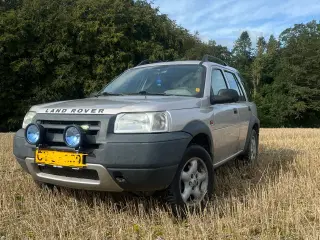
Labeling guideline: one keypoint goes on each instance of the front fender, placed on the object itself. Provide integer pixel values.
(198, 127)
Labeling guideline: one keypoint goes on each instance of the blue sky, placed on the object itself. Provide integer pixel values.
(224, 20)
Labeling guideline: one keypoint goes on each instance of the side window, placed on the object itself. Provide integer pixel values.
(217, 81)
(234, 84)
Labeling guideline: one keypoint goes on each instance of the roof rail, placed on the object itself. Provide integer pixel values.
(147, 61)
(206, 59)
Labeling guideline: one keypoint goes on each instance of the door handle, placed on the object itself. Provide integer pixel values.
(235, 111)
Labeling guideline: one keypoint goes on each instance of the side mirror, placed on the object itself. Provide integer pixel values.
(225, 96)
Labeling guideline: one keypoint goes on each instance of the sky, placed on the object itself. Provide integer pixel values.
(224, 20)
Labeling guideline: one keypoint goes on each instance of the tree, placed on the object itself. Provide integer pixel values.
(243, 46)
(292, 98)
(6, 5)
(299, 72)
(200, 49)
(242, 56)
(258, 65)
(273, 45)
(272, 58)
(65, 49)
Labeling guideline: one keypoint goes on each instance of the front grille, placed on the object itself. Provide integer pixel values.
(58, 126)
(55, 128)
(57, 122)
(69, 172)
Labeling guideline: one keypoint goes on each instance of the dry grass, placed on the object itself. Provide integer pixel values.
(278, 199)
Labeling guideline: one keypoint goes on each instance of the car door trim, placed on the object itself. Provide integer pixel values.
(218, 164)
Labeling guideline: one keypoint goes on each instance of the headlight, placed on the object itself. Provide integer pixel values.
(73, 136)
(34, 133)
(27, 119)
(142, 122)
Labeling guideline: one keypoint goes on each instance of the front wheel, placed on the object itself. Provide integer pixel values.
(193, 182)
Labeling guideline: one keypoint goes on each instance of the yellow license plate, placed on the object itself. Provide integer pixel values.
(59, 158)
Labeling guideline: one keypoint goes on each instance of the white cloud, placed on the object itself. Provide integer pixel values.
(224, 20)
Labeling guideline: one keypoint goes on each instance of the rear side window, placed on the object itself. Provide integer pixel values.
(234, 84)
(217, 81)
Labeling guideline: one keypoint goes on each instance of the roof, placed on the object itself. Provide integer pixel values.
(187, 62)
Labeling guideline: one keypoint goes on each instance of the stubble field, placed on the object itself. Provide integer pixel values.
(279, 198)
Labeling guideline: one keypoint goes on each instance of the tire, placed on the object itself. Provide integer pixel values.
(192, 184)
(251, 154)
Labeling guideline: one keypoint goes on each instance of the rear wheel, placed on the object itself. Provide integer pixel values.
(251, 154)
(193, 182)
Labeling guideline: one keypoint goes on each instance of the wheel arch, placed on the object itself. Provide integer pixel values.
(253, 124)
(201, 135)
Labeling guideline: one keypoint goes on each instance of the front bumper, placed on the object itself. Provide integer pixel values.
(135, 162)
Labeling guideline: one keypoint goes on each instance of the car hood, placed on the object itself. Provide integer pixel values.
(118, 104)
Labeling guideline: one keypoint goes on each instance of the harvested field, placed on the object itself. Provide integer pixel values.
(279, 198)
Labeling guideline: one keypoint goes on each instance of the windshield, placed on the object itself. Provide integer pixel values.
(181, 80)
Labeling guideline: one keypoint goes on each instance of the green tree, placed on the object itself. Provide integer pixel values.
(258, 65)
(272, 58)
(292, 98)
(65, 49)
(273, 45)
(200, 49)
(6, 5)
(243, 57)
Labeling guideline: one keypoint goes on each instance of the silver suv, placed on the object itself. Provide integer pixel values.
(158, 127)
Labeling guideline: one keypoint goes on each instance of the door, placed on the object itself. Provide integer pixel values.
(242, 106)
(225, 119)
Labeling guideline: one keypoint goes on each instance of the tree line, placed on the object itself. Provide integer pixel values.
(65, 49)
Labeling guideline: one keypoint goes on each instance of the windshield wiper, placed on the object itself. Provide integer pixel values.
(145, 93)
(108, 94)
(148, 93)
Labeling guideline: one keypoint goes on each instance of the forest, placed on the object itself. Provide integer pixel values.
(66, 49)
